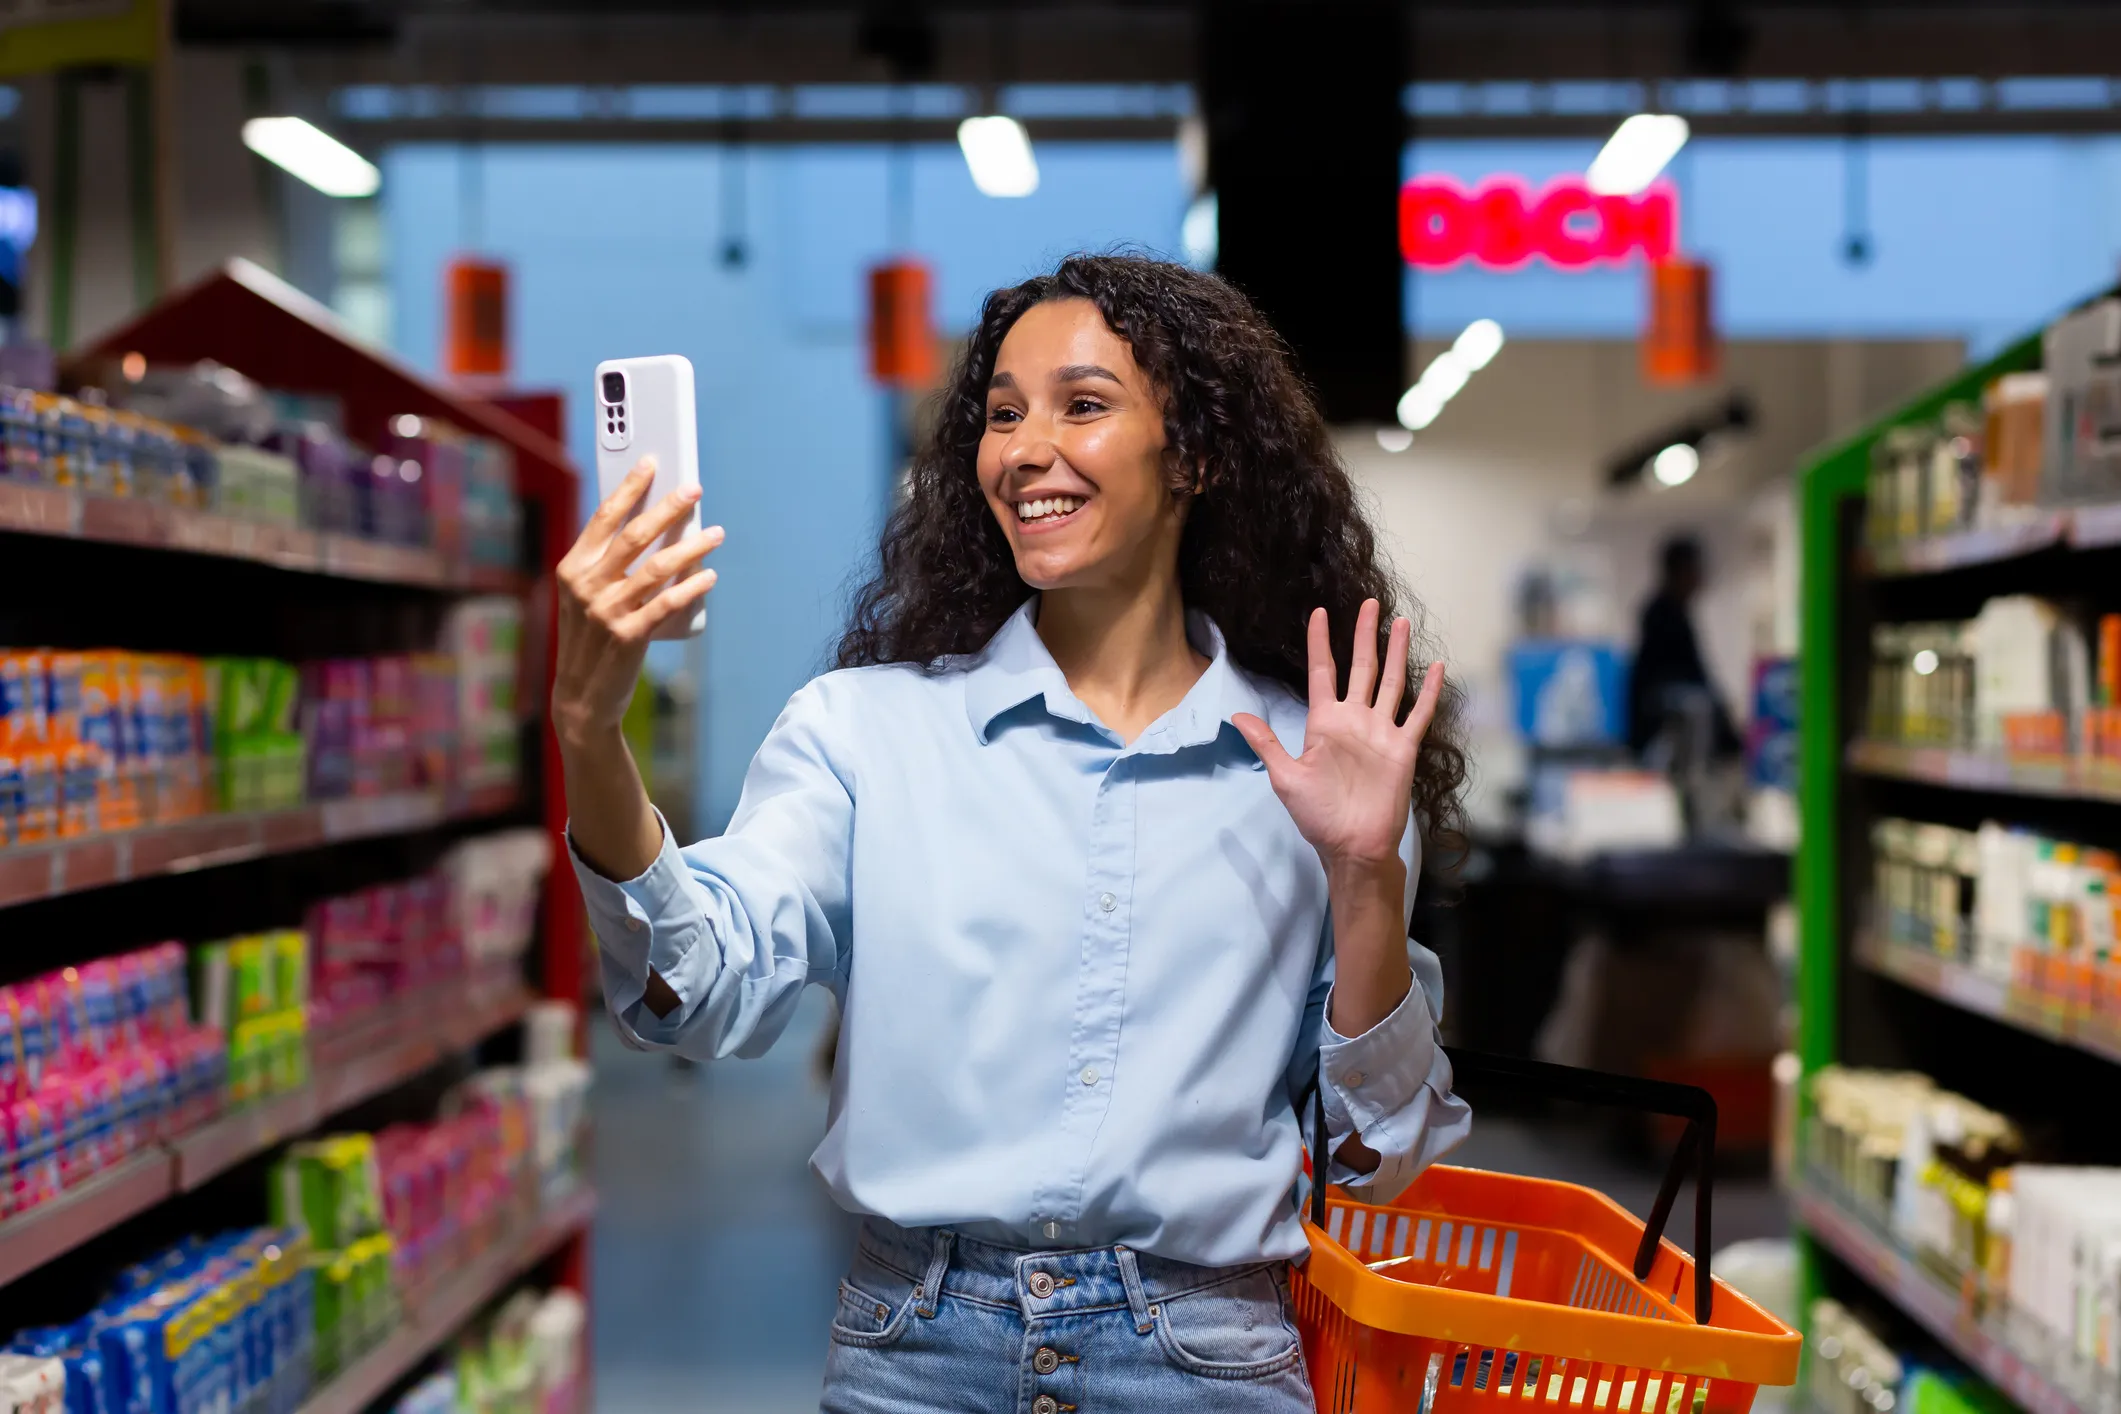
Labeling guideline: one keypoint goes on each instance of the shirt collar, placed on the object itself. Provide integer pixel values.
(1014, 668)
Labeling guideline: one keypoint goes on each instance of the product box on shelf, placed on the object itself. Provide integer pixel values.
(212, 1324)
(96, 1062)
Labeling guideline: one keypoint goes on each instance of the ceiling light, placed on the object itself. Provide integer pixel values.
(1477, 346)
(1925, 662)
(1394, 439)
(306, 151)
(998, 152)
(1636, 152)
(1676, 464)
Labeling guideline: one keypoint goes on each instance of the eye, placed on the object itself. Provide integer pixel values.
(1003, 415)
(1083, 405)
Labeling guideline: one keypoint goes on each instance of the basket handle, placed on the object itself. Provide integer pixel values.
(1592, 1087)
(1697, 1143)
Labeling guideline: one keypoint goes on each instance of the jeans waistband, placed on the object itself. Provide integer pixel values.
(1036, 1281)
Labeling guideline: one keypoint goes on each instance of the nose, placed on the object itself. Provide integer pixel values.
(1029, 447)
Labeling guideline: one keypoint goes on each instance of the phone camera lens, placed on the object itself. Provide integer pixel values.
(614, 387)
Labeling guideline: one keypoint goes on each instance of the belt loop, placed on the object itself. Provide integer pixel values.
(932, 1284)
(1137, 1300)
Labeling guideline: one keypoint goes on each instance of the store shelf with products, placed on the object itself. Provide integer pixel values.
(2049, 1382)
(1994, 895)
(41, 871)
(77, 515)
(1969, 989)
(437, 1313)
(1993, 771)
(399, 719)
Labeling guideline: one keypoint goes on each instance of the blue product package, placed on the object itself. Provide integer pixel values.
(133, 1361)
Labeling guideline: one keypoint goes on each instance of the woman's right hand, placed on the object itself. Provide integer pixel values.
(607, 615)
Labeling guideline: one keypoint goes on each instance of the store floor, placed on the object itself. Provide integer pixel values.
(717, 1256)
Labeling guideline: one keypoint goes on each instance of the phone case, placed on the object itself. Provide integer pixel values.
(655, 415)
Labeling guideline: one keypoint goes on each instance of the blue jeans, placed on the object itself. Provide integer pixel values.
(932, 1321)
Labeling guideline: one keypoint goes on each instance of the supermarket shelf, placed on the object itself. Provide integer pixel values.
(32, 872)
(2054, 1385)
(1959, 985)
(1969, 547)
(2080, 527)
(435, 1315)
(75, 515)
(350, 1069)
(1986, 770)
(378, 1060)
(29, 1240)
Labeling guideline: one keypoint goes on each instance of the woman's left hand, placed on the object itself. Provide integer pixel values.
(1351, 791)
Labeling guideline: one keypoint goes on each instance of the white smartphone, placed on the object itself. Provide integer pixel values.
(645, 408)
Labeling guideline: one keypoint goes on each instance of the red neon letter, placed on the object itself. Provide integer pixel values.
(1635, 223)
(1435, 223)
(1552, 232)
(1502, 237)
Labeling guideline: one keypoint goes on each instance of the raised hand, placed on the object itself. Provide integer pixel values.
(1351, 791)
(607, 613)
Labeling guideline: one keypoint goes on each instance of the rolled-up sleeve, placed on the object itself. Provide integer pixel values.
(1392, 1084)
(734, 926)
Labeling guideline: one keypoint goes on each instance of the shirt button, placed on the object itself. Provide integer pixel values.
(633, 925)
(1353, 1077)
(1046, 1361)
(1042, 1282)
(1107, 902)
(1045, 1404)
(1052, 1230)
(1089, 1075)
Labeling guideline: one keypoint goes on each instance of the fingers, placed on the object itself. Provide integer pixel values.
(667, 562)
(1362, 664)
(647, 528)
(678, 599)
(1392, 685)
(1432, 684)
(1265, 745)
(1319, 648)
(605, 521)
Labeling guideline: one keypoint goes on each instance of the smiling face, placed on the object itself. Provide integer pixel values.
(1072, 462)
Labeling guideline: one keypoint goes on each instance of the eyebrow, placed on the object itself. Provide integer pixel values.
(1076, 372)
(1002, 380)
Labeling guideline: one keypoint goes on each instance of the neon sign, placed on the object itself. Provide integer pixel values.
(1502, 223)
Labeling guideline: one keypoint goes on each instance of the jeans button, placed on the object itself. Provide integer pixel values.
(1046, 1361)
(1041, 1285)
(1045, 1404)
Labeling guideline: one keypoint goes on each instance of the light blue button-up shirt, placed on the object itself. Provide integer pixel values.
(1083, 982)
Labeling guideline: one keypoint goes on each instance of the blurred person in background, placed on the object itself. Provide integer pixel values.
(1672, 704)
(1107, 854)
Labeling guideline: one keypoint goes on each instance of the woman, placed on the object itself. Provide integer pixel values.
(1103, 856)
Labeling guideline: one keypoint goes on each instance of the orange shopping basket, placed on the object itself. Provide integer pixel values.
(1481, 1293)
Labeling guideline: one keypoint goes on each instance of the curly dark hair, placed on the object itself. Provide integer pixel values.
(1276, 531)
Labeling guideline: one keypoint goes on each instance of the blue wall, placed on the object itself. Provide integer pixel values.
(1975, 238)
(615, 252)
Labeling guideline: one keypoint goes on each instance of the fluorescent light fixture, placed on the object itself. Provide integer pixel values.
(1200, 233)
(1475, 347)
(304, 150)
(1636, 152)
(1394, 439)
(1676, 464)
(998, 152)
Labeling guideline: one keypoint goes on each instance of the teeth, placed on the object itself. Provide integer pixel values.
(1048, 506)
